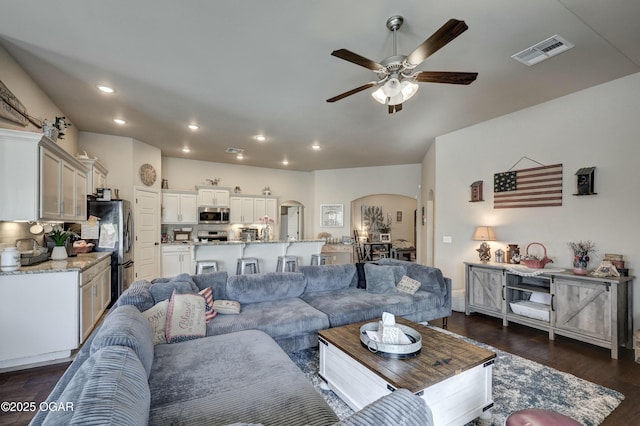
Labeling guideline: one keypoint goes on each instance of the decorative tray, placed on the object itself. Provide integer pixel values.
(391, 350)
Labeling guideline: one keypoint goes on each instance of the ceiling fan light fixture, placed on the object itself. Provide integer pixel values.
(409, 88)
(395, 100)
(379, 96)
(392, 87)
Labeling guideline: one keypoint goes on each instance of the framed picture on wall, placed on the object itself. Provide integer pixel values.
(331, 215)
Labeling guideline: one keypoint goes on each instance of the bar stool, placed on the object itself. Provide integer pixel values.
(203, 266)
(287, 264)
(247, 265)
(320, 259)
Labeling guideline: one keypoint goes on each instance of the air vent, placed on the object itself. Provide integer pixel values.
(235, 151)
(543, 50)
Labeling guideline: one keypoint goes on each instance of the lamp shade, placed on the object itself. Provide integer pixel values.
(484, 233)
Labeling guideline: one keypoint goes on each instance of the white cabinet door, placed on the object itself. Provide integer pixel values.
(221, 198)
(176, 260)
(247, 210)
(68, 191)
(170, 208)
(259, 208)
(206, 197)
(188, 208)
(81, 195)
(50, 195)
(87, 293)
(235, 210)
(271, 208)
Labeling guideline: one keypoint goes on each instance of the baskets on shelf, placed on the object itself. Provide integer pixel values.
(532, 262)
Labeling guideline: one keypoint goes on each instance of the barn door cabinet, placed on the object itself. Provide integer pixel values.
(595, 310)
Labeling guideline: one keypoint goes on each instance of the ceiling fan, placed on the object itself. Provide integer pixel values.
(395, 74)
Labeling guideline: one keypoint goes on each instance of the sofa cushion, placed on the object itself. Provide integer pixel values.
(157, 317)
(216, 280)
(383, 279)
(138, 295)
(431, 279)
(280, 318)
(162, 290)
(185, 317)
(352, 305)
(251, 380)
(329, 277)
(126, 326)
(110, 388)
(265, 287)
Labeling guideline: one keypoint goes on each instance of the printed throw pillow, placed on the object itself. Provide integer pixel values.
(209, 312)
(408, 285)
(185, 317)
(157, 317)
(226, 306)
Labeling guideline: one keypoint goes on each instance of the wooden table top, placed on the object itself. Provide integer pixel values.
(441, 357)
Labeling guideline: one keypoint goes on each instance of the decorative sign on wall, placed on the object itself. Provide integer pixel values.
(534, 187)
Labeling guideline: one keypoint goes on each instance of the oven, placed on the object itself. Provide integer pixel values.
(207, 215)
(212, 236)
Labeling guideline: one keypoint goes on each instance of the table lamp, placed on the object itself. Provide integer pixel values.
(484, 234)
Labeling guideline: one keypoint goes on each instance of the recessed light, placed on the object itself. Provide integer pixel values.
(194, 126)
(240, 156)
(186, 149)
(285, 162)
(105, 89)
(315, 146)
(260, 138)
(119, 121)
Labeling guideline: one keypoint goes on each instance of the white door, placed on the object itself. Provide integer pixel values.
(147, 233)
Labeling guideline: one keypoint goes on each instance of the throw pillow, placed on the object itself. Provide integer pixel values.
(157, 317)
(209, 312)
(382, 279)
(226, 306)
(185, 317)
(408, 285)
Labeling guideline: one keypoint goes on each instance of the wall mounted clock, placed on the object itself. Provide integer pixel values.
(147, 174)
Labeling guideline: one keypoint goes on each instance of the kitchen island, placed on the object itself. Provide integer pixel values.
(227, 253)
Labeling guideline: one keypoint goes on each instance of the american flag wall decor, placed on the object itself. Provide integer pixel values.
(535, 187)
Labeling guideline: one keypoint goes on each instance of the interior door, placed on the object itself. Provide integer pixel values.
(146, 233)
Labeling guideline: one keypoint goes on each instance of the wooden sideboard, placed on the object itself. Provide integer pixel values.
(596, 310)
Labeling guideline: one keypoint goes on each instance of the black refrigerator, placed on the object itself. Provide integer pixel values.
(116, 213)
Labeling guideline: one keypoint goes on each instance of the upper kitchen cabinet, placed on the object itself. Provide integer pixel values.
(96, 176)
(179, 207)
(42, 180)
(209, 196)
(266, 207)
(241, 209)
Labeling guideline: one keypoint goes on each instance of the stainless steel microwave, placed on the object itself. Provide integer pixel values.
(213, 215)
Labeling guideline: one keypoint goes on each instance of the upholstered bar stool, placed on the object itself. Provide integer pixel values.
(320, 259)
(247, 265)
(287, 264)
(205, 266)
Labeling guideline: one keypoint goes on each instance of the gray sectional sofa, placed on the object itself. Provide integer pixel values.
(240, 372)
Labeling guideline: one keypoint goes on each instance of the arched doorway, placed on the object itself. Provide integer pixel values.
(291, 220)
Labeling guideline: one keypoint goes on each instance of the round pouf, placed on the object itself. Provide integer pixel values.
(538, 417)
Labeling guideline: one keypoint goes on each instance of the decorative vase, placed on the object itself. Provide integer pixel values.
(580, 267)
(59, 253)
(266, 233)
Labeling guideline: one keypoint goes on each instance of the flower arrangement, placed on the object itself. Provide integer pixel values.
(581, 251)
(266, 220)
(60, 236)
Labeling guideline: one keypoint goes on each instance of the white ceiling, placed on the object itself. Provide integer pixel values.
(239, 68)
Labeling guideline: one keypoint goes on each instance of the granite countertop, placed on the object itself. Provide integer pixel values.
(235, 242)
(79, 263)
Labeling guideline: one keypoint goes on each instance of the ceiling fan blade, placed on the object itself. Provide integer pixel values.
(449, 31)
(348, 55)
(446, 77)
(353, 91)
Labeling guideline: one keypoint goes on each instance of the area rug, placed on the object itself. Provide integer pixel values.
(518, 383)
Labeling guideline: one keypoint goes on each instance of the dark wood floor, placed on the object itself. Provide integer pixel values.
(580, 359)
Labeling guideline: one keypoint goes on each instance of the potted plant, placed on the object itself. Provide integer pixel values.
(581, 251)
(59, 237)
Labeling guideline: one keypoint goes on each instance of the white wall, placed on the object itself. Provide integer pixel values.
(36, 102)
(341, 186)
(595, 127)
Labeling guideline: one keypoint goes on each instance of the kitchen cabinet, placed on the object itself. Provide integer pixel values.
(212, 197)
(596, 310)
(241, 210)
(179, 207)
(43, 179)
(95, 295)
(96, 175)
(266, 206)
(176, 260)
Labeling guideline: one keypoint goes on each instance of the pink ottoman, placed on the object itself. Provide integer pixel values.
(538, 417)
